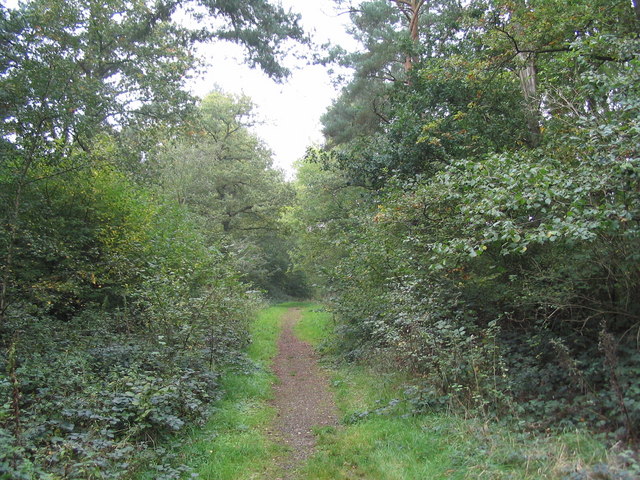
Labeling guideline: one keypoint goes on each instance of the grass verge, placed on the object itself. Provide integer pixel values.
(233, 445)
(388, 444)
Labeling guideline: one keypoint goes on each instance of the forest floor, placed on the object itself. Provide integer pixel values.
(302, 397)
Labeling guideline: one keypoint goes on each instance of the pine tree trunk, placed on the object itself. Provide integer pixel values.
(412, 10)
(414, 31)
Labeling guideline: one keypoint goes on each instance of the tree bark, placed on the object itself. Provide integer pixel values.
(528, 75)
(414, 31)
(412, 10)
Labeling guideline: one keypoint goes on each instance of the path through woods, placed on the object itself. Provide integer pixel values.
(302, 396)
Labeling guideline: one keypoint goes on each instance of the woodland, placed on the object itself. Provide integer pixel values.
(471, 219)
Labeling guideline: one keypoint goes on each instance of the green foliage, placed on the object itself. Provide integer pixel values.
(118, 306)
(83, 411)
(233, 443)
(493, 252)
(223, 173)
(325, 211)
(124, 317)
(395, 429)
(76, 73)
(391, 119)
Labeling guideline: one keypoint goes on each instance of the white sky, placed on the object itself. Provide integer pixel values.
(290, 111)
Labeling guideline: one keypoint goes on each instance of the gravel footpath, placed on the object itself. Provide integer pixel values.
(302, 396)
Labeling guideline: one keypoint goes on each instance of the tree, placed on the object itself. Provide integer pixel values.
(494, 250)
(376, 123)
(531, 37)
(362, 106)
(73, 69)
(224, 174)
(411, 9)
(325, 216)
(119, 298)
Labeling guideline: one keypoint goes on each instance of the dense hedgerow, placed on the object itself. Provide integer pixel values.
(507, 279)
(116, 332)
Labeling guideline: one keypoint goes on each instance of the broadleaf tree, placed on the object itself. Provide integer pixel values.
(73, 69)
(493, 249)
(223, 172)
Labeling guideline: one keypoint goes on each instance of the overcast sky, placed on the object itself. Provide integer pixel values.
(290, 111)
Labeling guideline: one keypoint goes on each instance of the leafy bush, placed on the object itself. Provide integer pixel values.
(119, 328)
(508, 279)
(83, 412)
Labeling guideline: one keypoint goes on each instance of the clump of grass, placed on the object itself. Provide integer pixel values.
(315, 325)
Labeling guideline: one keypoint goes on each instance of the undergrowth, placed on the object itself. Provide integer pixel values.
(389, 431)
(234, 444)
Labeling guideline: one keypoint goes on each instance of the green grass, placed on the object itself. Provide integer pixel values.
(315, 325)
(233, 445)
(432, 446)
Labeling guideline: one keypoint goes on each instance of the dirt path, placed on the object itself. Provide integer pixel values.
(302, 397)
